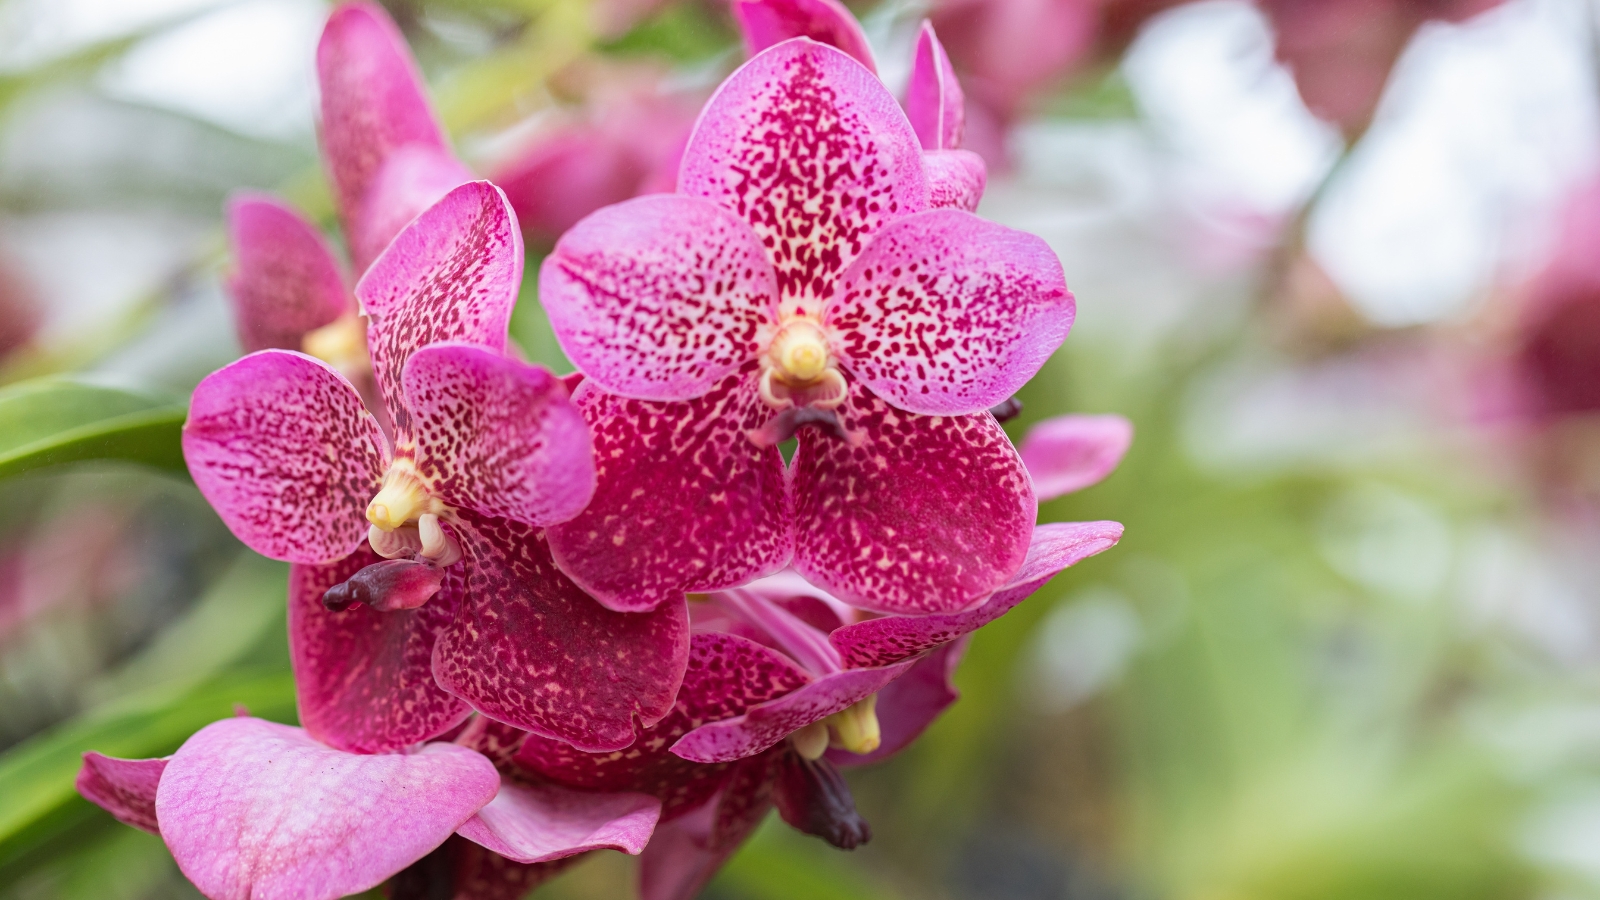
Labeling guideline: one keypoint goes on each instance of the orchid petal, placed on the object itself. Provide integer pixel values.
(685, 502)
(934, 101)
(450, 275)
(542, 823)
(285, 280)
(946, 314)
(413, 178)
(807, 644)
(363, 678)
(372, 100)
(659, 298)
(477, 873)
(808, 147)
(281, 446)
(566, 176)
(764, 23)
(254, 810)
(530, 649)
(929, 514)
(910, 703)
(878, 642)
(126, 788)
(1070, 453)
(685, 854)
(956, 178)
(498, 436)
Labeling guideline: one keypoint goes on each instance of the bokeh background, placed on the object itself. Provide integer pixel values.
(1338, 260)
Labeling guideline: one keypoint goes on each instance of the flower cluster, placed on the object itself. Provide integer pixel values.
(638, 606)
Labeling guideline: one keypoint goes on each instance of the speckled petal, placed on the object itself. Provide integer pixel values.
(685, 501)
(934, 101)
(253, 810)
(498, 436)
(282, 448)
(661, 297)
(450, 275)
(878, 642)
(363, 678)
(530, 649)
(411, 179)
(126, 788)
(928, 515)
(1070, 453)
(956, 178)
(764, 23)
(809, 147)
(372, 100)
(946, 314)
(535, 823)
(910, 703)
(285, 281)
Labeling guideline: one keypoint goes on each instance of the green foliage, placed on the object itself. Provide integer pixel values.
(51, 421)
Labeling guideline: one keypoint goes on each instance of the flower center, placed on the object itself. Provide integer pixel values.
(341, 343)
(854, 728)
(403, 498)
(800, 352)
(798, 372)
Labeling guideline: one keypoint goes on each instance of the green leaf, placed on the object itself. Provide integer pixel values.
(50, 421)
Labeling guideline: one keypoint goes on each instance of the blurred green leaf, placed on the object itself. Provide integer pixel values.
(50, 421)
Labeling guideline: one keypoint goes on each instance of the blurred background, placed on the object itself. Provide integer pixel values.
(1338, 260)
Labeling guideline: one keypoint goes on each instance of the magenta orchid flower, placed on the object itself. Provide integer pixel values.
(1556, 367)
(800, 277)
(253, 810)
(1069, 453)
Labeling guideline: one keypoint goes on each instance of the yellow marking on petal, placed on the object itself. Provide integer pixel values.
(855, 728)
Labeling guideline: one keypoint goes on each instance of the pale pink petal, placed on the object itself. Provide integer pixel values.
(945, 313)
(1070, 453)
(372, 100)
(285, 281)
(764, 23)
(498, 436)
(928, 514)
(934, 102)
(450, 275)
(685, 501)
(808, 645)
(659, 298)
(956, 178)
(808, 146)
(252, 810)
(282, 448)
(413, 178)
(878, 642)
(537, 823)
(126, 788)
(910, 703)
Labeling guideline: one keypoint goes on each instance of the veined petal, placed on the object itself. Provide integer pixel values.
(684, 502)
(411, 179)
(285, 280)
(498, 436)
(956, 178)
(764, 23)
(535, 823)
(282, 448)
(253, 810)
(126, 788)
(660, 297)
(450, 275)
(808, 146)
(878, 642)
(934, 101)
(363, 678)
(945, 313)
(1070, 453)
(910, 703)
(928, 514)
(372, 100)
(531, 649)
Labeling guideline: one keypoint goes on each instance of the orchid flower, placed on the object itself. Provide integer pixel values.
(254, 810)
(1069, 453)
(800, 277)
(1555, 361)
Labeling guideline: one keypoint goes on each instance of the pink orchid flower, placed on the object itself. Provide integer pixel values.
(253, 810)
(1556, 365)
(800, 277)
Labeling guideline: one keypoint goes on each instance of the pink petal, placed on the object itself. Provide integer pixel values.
(450, 275)
(910, 703)
(566, 176)
(685, 502)
(285, 280)
(934, 102)
(808, 147)
(659, 298)
(477, 873)
(126, 788)
(372, 101)
(778, 626)
(685, 854)
(530, 649)
(537, 823)
(764, 23)
(945, 313)
(878, 642)
(413, 178)
(928, 515)
(282, 448)
(252, 810)
(364, 679)
(1070, 453)
(956, 178)
(498, 436)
